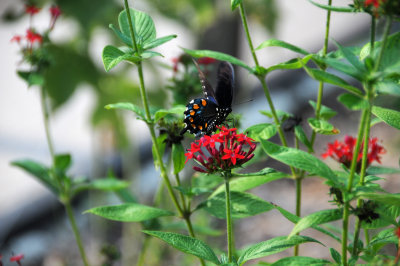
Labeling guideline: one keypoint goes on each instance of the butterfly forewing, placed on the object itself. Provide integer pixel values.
(204, 114)
(225, 83)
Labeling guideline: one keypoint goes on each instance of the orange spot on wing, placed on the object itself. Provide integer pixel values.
(193, 126)
(192, 112)
(195, 106)
(191, 119)
(200, 127)
(203, 102)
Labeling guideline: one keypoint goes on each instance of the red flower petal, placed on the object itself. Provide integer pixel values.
(17, 257)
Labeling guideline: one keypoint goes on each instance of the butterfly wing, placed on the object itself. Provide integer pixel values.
(225, 83)
(208, 90)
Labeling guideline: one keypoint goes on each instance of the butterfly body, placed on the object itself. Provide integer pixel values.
(203, 115)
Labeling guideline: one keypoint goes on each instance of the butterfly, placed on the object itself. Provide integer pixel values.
(203, 115)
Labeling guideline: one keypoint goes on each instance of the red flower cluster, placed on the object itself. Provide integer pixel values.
(31, 9)
(343, 152)
(184, 59)
(375, 3)
(33, 37)
(17, 258)
(223, 151)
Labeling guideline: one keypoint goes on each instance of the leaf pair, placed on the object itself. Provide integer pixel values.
(144, 32)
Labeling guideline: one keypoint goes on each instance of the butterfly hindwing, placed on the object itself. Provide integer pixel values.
(208, 90)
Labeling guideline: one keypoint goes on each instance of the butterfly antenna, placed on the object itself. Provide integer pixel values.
(243, 102)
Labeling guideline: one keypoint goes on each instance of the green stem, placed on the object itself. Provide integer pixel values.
(262, 78)
(366, 236)
(178, 183)
(386, 32)
(346, 210)
(298, 207)
(142, 255)
(372, 33)
(46, 116)
(227, 176)
(150, 125)
(71, 218)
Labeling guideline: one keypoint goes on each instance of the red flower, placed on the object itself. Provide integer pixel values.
(17, 258)
(343, 152)
(397, 232)
(375, 3)
(222, 151)
(55, 11)
(31, 9)
(33, 37)
(16, 38)
(205, 60)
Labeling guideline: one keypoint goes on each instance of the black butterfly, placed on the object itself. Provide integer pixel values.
(204, 114)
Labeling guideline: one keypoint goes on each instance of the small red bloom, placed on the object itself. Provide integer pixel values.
(55, 11)
(205, 60)
(31, 9)
(375, 3)
(175, 62)
(343, 152)
(16, 38)
(221, 151)
(17, 258)
(33, 37)
(397, 232)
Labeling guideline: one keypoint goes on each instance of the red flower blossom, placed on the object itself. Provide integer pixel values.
(33, 37)
(397, 232)
(17, 258)
(16, 38)
(31, 9)
(55, 11)
(205, 60)
(222, 151)
(375, 3)
(343, 152)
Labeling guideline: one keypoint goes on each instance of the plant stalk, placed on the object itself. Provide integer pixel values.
(227, 176)
(386, 32)
(346, 209)
(71, 218)
(150, 125)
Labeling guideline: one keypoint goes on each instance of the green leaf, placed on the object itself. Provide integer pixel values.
(159, 41)
(322, 126)
(325, 112)
(300, 260)
(279, 43)
(316, 218)
(108, 184)
(112, 56)
(301, 135)
(388, 87)
(381, 170)
(127, 106)
(389, 116)
(38, 170)
(150, 54)
(391, 55)
(242, 204)
(386, 236)
(178, 157)
(219, 56)
(334, 8)
(390, 199)
(177, 110)
(62, 161)
(332, 79)
(291, 64)
(125, 38)
(261, 131)
(31, 77)
(272, 246)
(335, 255)
(352, 58)
(294, 219)
(347, 69)
(235, 4)
(186, 244)
(299, 159)
(352, 102)
(129, 212)
(144, 29)
(243, 182)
